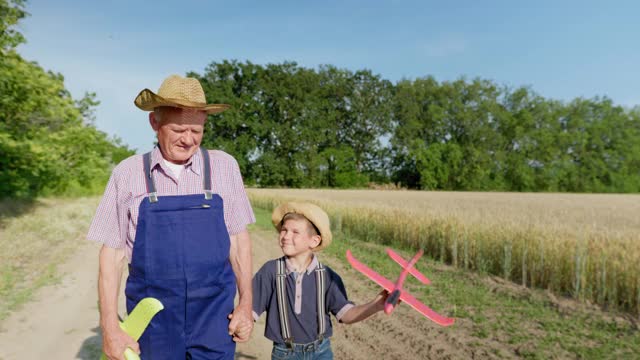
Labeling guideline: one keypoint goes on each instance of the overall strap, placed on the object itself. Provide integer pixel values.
(206, 170)
(281, 296)
(320, 290)
(148, 178)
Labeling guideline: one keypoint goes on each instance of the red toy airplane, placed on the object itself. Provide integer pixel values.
(395, 290)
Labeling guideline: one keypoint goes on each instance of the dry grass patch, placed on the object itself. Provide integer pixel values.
(35, 237)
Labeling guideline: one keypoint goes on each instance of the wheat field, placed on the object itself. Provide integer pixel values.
(582, 245)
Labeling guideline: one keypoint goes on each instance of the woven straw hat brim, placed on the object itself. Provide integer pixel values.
(147, 100)
(312, 212)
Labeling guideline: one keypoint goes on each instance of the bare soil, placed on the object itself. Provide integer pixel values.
(62, 321)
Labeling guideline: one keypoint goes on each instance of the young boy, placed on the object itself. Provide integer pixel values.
(298, 292)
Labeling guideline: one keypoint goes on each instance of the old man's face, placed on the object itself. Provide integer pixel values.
(179, 132)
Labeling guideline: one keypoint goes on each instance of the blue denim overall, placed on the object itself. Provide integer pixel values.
(181, 257)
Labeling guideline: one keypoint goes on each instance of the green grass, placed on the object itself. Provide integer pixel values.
(35, 237)
(530, 321)
(13, 297)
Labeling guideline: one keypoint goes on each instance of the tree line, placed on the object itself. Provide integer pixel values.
(48, 142)
(293, 126)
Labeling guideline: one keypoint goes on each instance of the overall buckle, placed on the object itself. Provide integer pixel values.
(289, 343)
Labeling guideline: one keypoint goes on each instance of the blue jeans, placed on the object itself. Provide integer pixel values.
(319, 351)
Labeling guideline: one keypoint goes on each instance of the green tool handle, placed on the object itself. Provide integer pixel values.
(128, 355)
(137, 322)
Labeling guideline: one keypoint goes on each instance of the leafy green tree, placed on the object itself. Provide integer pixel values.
(446, 135)
(298, 127)
(11, 12)
(598, 145)
(48, 144)
(239, 129)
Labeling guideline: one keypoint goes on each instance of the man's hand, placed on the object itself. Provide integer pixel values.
(115, 341)
(241, 323)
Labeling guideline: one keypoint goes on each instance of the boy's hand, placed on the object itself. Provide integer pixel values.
(380, 299)
(241, 324)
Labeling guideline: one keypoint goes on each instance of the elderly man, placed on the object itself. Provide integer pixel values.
(178, 215)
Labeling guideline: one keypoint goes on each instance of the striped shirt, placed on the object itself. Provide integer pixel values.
(114, 224)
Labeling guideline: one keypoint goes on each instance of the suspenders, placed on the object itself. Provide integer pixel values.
(281, 286)
(151, 186)
(281, 295)
(208, 194)
(320, 288)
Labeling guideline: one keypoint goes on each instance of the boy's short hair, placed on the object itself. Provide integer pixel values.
(313, 213)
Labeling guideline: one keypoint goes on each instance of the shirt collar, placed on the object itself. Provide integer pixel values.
(194, 163)
(312, 266)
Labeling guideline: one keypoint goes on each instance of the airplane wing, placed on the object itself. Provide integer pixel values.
(425, 310)
(413, 271)
(379, 279)
(404, 296)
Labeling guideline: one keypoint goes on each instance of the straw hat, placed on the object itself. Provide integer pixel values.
(178, 92)
(312, 212)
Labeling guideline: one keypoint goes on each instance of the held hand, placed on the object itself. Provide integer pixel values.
(115, 342)
(241, 324)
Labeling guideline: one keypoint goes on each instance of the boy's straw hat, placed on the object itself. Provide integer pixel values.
(179, 92)
(312, 212)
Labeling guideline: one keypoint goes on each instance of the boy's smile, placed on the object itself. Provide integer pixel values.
(295, 239)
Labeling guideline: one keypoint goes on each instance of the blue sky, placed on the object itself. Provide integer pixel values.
(561, 49)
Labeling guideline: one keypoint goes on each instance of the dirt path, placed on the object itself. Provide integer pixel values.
(264, 249)
(62, 321)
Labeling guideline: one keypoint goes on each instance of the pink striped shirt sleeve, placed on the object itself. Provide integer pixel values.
(109, 225)
(237, 208)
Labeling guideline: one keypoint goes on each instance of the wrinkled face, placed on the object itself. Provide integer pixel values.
(295, 237)
(179, 132)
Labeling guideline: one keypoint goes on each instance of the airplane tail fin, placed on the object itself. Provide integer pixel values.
(413, 271)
